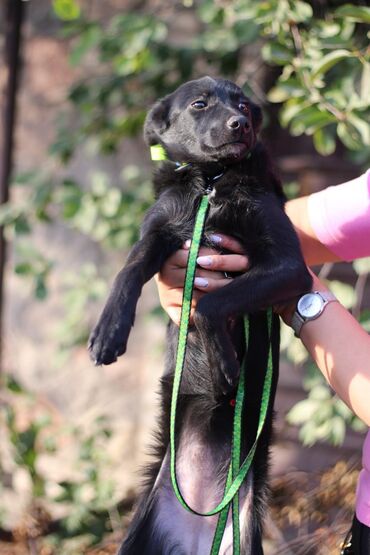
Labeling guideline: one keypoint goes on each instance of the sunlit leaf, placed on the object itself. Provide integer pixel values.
(338, 430)
(356, 13)
(349, 136)
(344, 292)
(276, 53)
(67, 9)
(361, 125)
(330, 60)
(362, 265)
(301, 10)
(302, 411)
(324, 142)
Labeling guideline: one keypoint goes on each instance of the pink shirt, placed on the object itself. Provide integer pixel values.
(340, 217)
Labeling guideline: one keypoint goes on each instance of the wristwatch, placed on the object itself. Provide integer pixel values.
(309, 307)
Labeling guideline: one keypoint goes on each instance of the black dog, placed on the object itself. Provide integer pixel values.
(210, 128)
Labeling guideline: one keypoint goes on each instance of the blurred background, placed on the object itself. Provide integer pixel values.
(76, 78)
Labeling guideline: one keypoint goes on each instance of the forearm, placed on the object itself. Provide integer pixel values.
(341, 350)
(313, 250)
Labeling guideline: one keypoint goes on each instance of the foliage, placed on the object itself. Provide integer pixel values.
(319, 73)
(27, 442)
(87, 498)
(90, 497)
(322, 73)
(322, 415)
(313, 63)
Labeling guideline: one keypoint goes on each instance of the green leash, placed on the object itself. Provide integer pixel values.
(237, 471)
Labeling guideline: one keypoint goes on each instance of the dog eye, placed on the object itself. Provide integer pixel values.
(243, 107)
(199, 104)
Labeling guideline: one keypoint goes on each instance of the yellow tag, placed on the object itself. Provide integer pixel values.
(157, 152)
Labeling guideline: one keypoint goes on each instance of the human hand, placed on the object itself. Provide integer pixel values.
(209, 275)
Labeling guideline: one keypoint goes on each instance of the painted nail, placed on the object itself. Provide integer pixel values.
(204, 260)
(215, 239)
(187, 244)
(201, 282)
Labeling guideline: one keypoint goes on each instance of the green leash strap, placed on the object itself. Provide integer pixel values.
(236, 473)
(236, 441)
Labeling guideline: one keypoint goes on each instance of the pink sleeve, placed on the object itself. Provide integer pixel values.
(340, 217)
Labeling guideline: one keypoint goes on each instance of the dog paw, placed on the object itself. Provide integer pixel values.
(109, 338)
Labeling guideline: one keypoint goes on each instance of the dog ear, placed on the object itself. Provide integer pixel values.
(256, 116)
(157, 121)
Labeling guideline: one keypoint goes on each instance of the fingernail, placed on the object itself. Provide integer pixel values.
(204, 260)
(201, 282)
(187, 244)
(215, 239)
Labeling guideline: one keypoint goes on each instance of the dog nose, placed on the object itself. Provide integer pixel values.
(237, 122)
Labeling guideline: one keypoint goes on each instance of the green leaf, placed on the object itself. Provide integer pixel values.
(330, 60)
(67, 10)
(320, 392)
(324, 142)
(349, 136)
(362, 266)
(338, 430)
(356, 13)
(13, 385)
(24, 269)
(246, 31)
(344, 292)
(361, 125)
(290, 109)
(301, 11)
(365, 320)
(302, 411)
(308, 433)
(276, 53)
(41, 291)
(89, 38)
(285, 90)
(358, 426)
(22, 225)
(342, 409)
(310, 120)
(365, 82)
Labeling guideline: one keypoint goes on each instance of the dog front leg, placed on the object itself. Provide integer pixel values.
(257, 289)
(109, 338)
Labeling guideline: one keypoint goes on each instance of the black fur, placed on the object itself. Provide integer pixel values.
(213, 126)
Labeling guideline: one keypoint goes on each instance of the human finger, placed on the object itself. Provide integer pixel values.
(207, 285)
(224, 262)
(227, 242)
(212, 274)
(172, 273)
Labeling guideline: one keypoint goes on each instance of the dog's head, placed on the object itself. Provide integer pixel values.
(203, 121)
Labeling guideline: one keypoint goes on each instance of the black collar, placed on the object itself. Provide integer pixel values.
(211, 172)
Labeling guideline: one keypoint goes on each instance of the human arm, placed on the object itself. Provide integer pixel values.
(314, 251)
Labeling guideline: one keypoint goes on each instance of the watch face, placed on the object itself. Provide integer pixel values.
(310, 305)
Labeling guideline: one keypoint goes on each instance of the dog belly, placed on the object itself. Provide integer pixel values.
(197, 474)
